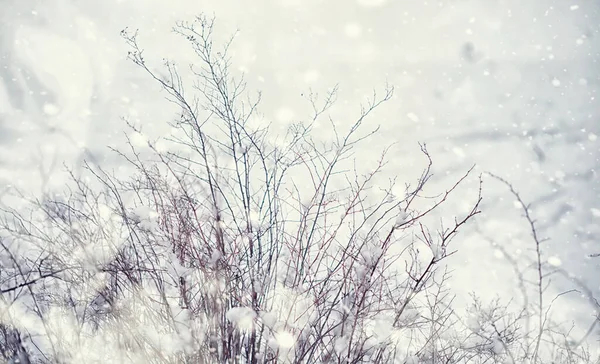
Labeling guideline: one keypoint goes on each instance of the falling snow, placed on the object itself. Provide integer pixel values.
(521, 101)
(554, 261)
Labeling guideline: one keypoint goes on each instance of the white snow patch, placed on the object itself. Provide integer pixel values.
(556, 82)
(269, 319)
(255, 219)
(592, 137)
(595, 212)
(95, 254)
(496, 346)
(574, 7)
(145, 216)
(144, 213)
(242, 317)
(285, 339)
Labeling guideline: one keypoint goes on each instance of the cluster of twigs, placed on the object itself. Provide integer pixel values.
(236, 247)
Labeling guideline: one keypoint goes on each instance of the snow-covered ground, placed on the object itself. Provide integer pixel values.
(510, 85)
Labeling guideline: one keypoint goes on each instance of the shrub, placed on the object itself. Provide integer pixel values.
(225, 243)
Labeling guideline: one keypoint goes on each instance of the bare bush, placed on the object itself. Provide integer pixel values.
(236, 245)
